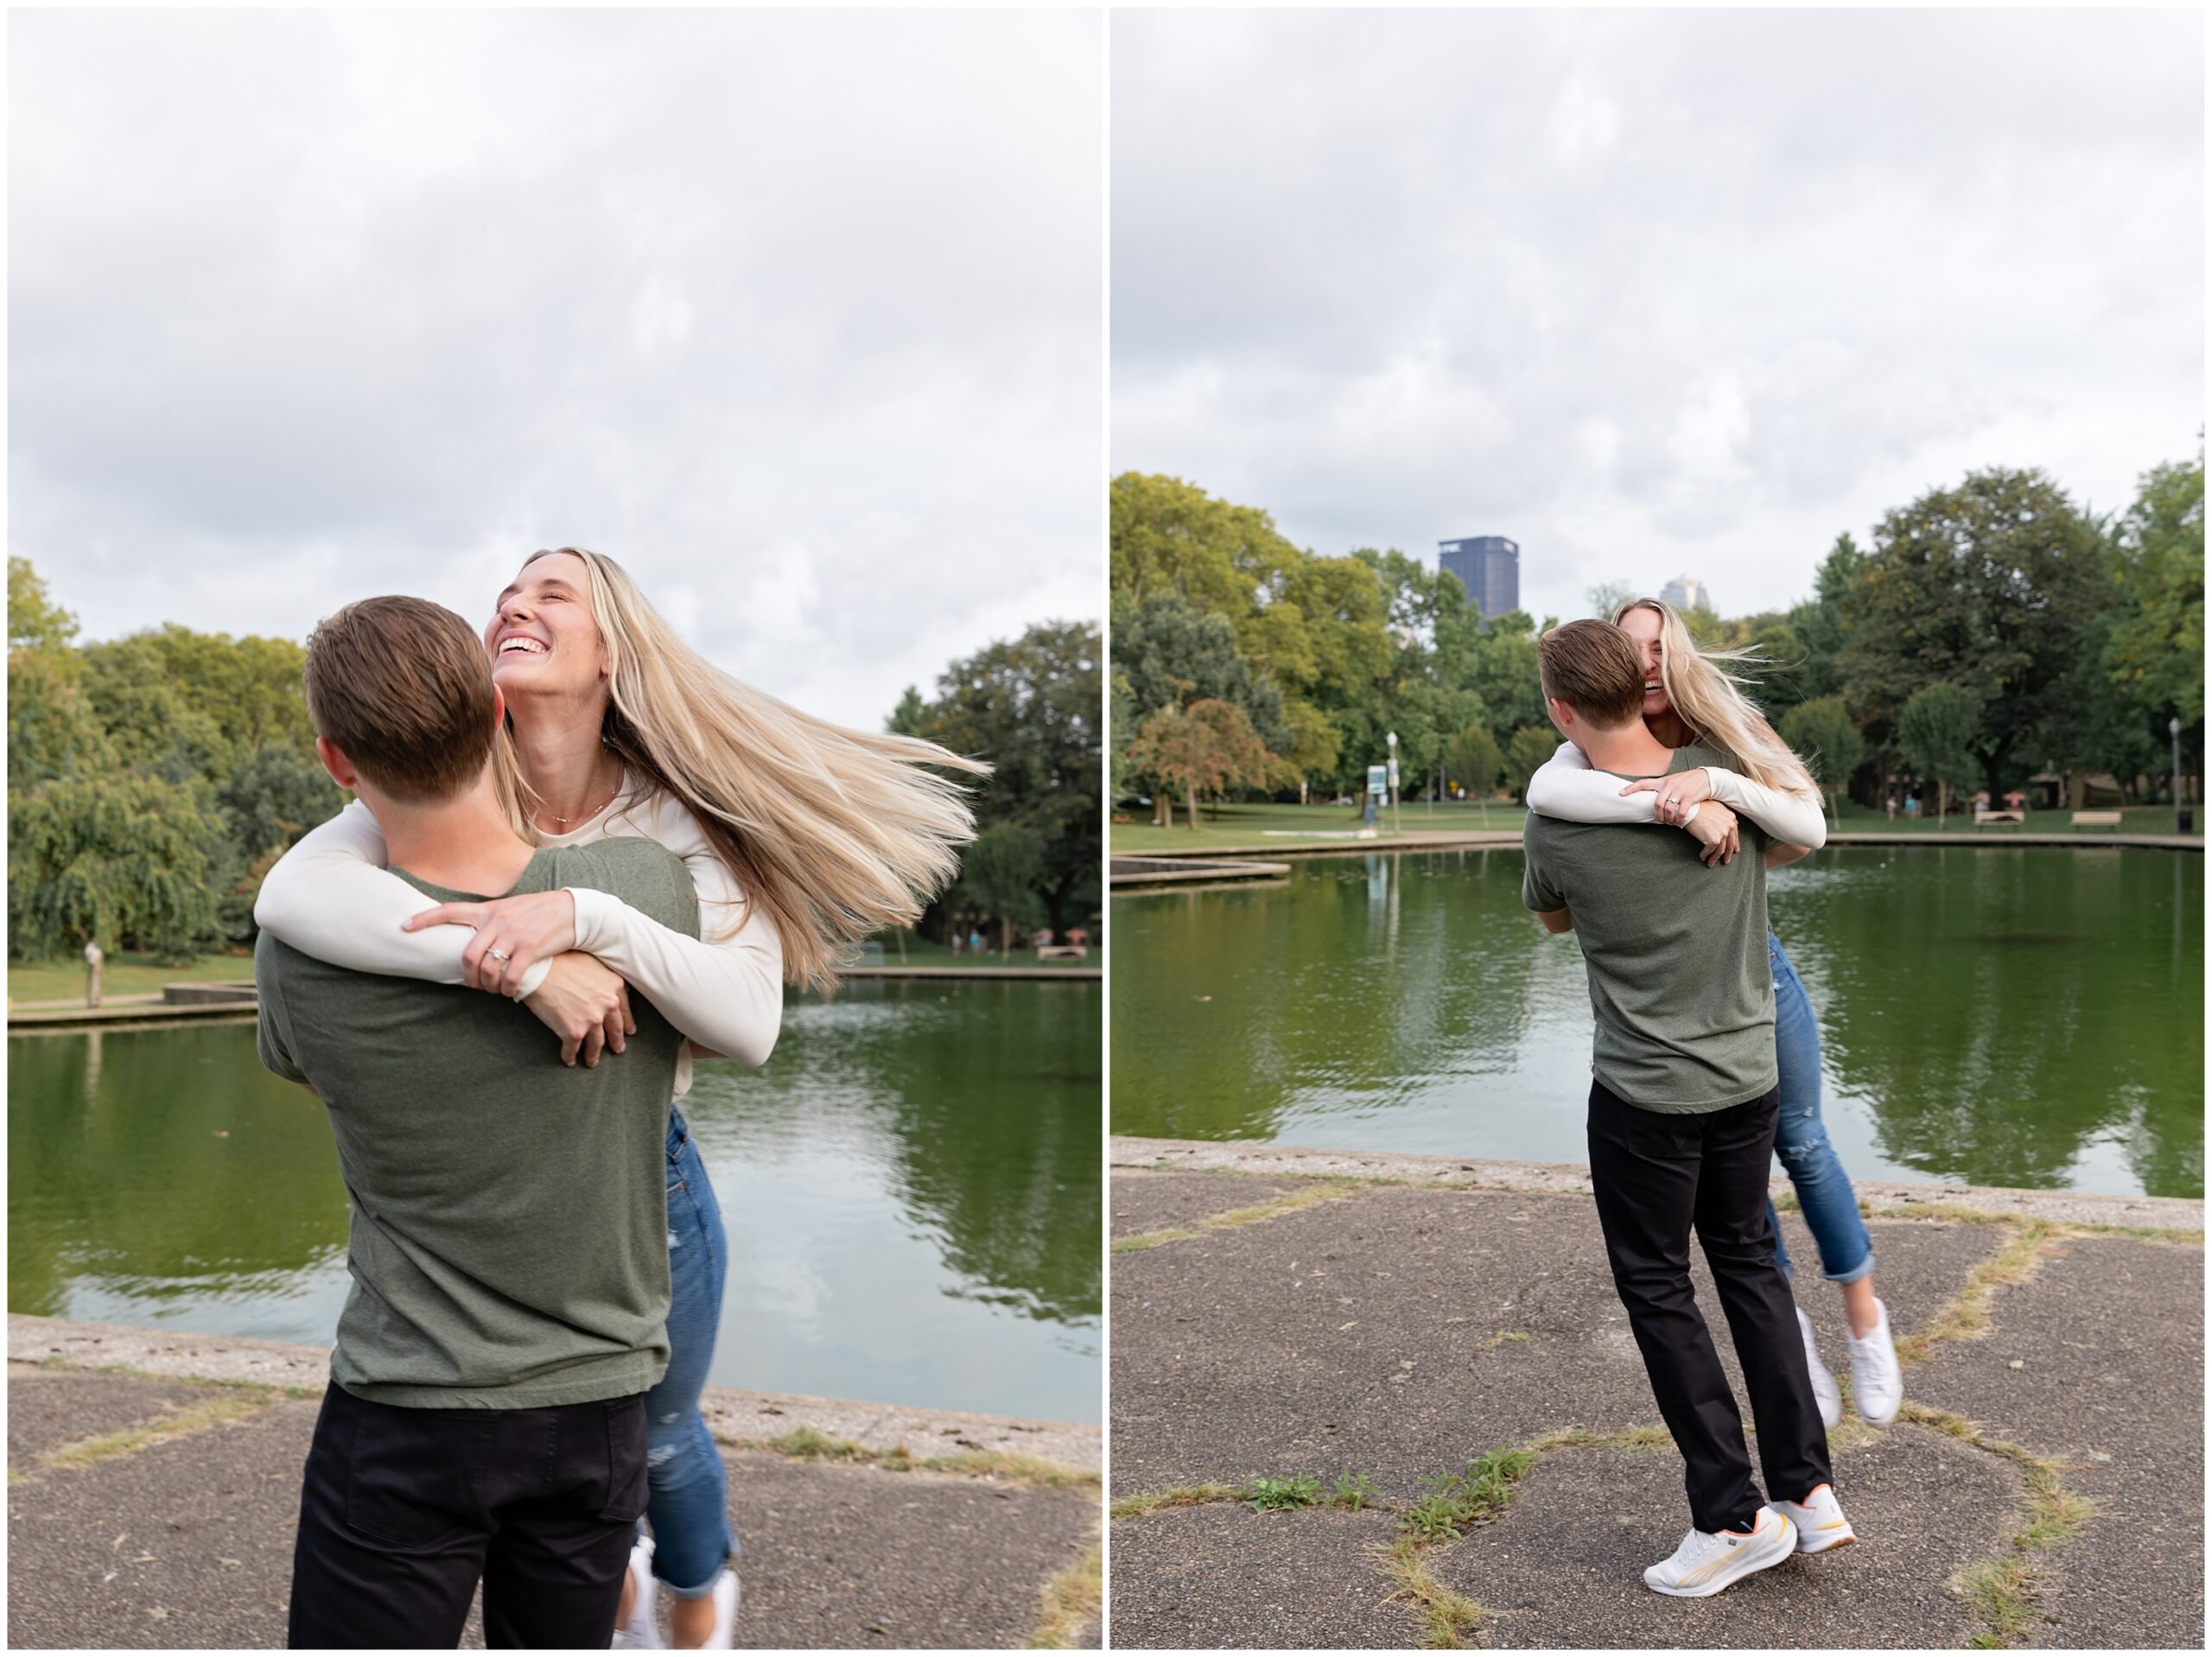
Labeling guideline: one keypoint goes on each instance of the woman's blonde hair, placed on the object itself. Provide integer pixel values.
(834, 834)
(1710, 699)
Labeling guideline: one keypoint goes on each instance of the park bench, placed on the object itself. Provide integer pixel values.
(1982, 814)
(1061, 952)
(2096, 819)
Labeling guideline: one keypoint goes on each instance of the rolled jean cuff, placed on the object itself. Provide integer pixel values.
(703, 1588)
(1855, 1272)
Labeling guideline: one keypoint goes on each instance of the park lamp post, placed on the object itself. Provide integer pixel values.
(1394, 826)
(2181, 824)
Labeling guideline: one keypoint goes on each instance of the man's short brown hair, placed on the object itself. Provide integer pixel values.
(1595, 669)
(404, 688)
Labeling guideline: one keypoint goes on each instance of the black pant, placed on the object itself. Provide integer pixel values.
(402, 1510)
(1655, 1176)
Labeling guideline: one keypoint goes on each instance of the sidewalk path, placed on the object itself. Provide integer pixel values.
(148, 1510)
(1304, 1323)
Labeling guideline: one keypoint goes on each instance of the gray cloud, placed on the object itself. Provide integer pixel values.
(1651, 292)
(797, 315)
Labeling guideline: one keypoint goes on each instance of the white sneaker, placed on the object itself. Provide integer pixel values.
(639, 1633)
(724, 1629)
(1709, 1561)
(1818, 1520)
(1877, 1382)
(1825, 1391)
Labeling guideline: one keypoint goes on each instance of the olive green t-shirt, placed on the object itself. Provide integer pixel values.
(1680, 978)
(509, 1246)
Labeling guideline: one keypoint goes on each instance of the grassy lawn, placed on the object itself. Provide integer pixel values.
(125, 975)
(920, 952)
(2134, 820)
(1247, 825)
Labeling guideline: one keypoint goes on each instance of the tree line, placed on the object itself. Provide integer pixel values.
(1992, 631)
(154, 780)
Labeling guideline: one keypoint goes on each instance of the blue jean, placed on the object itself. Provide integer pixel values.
(689, 1503)
(1824, 1192)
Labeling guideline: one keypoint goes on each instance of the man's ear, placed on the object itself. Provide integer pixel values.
(1562, 715)
(335, 762)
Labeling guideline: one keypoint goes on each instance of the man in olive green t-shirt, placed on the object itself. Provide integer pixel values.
(1682, 1115)
(486, 1419)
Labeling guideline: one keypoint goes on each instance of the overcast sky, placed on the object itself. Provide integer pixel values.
(796, 315)
(1652, 292)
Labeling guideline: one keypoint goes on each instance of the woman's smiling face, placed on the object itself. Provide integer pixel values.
(542, 637)
(1643, 626)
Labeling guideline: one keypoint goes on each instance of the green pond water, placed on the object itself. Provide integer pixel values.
(2015, 1016)
(911, 1187)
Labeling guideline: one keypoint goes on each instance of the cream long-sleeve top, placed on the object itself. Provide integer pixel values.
(1565, 786)
(331, 897)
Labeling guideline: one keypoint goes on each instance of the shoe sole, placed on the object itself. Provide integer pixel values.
(1751, 1566)
(1824, 1547)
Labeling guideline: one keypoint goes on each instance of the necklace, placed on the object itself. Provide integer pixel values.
(585, 816)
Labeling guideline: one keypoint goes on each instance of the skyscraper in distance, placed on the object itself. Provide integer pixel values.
(1489, 568)
(1686, 592)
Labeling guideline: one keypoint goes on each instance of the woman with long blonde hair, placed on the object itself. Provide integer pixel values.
(1690, 696)
(802, 838)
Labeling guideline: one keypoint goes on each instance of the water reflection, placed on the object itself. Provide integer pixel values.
(2010, 1016)
(911, 1188)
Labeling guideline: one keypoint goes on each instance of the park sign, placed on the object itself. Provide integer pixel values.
(1378, 783)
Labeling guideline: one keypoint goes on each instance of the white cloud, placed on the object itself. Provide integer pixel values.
(1652, 291)
(797, 315)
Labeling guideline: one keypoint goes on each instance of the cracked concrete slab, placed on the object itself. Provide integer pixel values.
(1146, 1203)
(2099, 1358)
(188, 1544)
(1222, 1576)
(1563, 1568)
(49, 1408)
(1378, 1335)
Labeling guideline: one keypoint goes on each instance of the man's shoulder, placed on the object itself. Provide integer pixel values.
(642, 873)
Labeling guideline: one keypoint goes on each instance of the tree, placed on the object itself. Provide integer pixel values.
(1607, 597)
(1532, 745)
(275, 796)
(1030, 706)
(1824, 737)
(1170, 653)
(1201, 749)
(118, 859)
(1990, 587)
(1936, 733)
(34, 621)
(1000, 875)
(906, 719)
(1476, 761)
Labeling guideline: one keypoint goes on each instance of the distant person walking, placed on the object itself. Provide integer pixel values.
(1892, 804)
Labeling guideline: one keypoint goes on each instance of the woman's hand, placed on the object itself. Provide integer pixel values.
(1678, 792)
(586, 1005)
(1715, 830)
(510, 933)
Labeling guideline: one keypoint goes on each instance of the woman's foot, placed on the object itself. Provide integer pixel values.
(634, 1622)
(1877, 1382)
(710, 1623)
(1818, 1520)
(1825, 1392)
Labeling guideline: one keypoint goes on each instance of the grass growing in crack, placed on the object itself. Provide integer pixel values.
(1651, 1437)
(1448, 1619)
(1071, 1598)
(1269, 1496)
(1310, 1195)
(1475, 1496)
(2001, 1594)
(1960, 1213)
(1354, 1491)
(229, 1405)
(1965, 1316)
(1010, 1466)
(1502, 1337)
(1182, 1495)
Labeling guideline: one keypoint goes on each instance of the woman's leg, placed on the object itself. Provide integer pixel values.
(688, 1502)
(1831, 1207)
